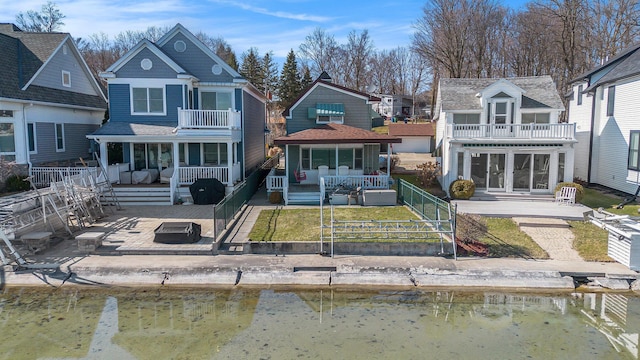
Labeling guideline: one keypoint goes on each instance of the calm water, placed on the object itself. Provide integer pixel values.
(158, 324)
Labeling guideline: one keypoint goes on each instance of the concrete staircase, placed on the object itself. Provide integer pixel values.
(304, 198)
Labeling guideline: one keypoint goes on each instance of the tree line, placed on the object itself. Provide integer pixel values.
(452, 38)
(560, 38)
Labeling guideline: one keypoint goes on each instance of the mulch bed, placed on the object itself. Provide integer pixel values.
(471, 248)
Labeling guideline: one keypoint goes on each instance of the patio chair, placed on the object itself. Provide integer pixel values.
(566, 196)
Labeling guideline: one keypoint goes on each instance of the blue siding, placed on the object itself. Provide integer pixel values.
(238, 96)
(159, 70)
(254, 117)
(120, 104)
(194, 60)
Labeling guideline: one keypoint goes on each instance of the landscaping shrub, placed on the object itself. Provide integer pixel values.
(579, 189)
(428, 173)
(462, 189)
(16, 183)
(395, 161)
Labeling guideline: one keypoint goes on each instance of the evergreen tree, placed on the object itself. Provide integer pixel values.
(289, 81)
(225, 53)
(252, 69)
(306, 78)
(270, 73)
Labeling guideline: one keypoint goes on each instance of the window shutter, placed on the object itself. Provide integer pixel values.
(312, 113)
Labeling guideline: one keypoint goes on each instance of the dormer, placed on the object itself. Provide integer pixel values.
(500, 102)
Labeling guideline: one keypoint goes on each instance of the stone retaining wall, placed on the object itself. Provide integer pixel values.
(349, 248)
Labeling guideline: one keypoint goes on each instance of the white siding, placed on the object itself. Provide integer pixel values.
(581, 116)
(612, 133)
(416, 144)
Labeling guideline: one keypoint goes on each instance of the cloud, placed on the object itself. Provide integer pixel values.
(278, 14)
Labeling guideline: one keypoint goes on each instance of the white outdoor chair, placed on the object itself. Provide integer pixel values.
(566, 196)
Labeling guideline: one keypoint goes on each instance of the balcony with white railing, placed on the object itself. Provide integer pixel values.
(209, 119)
(525, 132)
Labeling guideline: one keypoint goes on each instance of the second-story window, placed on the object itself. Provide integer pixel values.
(580, 95)
(66, 78)
(329, 113)
(611, 99)
(147, 101)
(535, 118)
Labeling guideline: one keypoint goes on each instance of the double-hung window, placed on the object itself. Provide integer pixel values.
(147, 101)
(634, 150)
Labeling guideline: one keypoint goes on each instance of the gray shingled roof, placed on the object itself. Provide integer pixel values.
(627, 66)
(23, 54)
(118, 128)
(460, 94)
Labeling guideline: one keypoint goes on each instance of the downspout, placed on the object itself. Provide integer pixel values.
(26, 135)
(593, 114)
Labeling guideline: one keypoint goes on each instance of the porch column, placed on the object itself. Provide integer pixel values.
(337, 161)
(569, 164)
(286, 160)
(104, 154)
(230, 164)
(176, 159)
(389, 151)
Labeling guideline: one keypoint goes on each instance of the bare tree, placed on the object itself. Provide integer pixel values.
(319, 49)
(358, 49)
(49, 19)
(614, 27)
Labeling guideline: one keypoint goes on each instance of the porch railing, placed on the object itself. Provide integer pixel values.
(276, 183)
(355, 181)
(513, 131)
(209, 119)
(44, 176)
(187, 175)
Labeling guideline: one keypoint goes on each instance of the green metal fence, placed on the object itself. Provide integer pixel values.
(429, 207)
(226, 210)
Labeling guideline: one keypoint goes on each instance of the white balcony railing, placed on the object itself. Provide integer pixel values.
(512, 131)
(209, 119)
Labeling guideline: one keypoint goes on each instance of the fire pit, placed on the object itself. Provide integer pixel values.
(177, 233)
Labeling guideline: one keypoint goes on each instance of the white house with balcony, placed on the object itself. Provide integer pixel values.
(504, 134)
(179, 113)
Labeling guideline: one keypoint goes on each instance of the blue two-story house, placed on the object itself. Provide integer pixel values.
(180, 113)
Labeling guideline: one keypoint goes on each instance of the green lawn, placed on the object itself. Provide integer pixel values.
(589, 241)
(596, 199)
(505, 240)
(304, 224)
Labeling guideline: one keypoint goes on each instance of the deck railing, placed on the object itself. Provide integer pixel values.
(43, 176)
(275, 182)
(190, 174)
(209, 119)
(356, 181)
(512, 131)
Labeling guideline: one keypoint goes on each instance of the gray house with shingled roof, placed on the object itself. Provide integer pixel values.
(49, 100)
(504, 134)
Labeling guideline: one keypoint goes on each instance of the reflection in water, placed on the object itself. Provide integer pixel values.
(326, 324)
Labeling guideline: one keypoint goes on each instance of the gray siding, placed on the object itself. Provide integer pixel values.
(357, 111)
(159, 70)
(120, 104)
(76, 143)
(195, 61)
(51, 75)
(254, 138)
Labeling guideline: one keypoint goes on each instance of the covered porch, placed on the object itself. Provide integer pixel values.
(160, 153)
(330, 156)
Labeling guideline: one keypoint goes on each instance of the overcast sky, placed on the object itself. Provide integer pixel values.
(269, 25)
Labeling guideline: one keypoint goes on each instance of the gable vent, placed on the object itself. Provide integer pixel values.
(180, 46)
